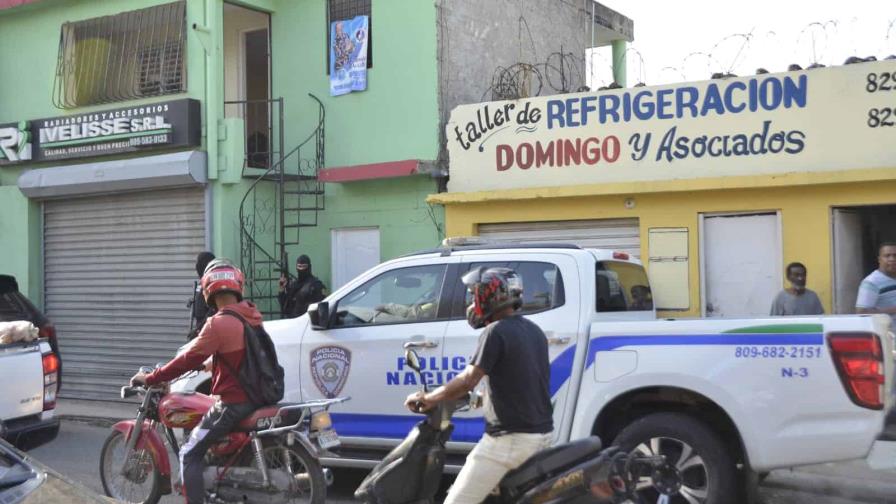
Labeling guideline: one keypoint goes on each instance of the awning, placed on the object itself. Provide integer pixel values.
(178, 169)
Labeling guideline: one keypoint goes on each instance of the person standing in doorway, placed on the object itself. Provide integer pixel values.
(877, 292)
(297, 294)
(797, 299)
(199, 310)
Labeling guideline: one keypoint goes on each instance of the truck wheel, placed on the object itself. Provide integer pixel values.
(707, 471)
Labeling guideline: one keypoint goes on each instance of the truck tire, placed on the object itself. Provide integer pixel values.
(708, 473)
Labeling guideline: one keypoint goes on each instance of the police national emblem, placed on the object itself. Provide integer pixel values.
(330, 365)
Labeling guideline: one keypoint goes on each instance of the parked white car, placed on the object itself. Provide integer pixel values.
(712, 395)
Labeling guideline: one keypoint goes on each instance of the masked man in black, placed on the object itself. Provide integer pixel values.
(199, 309)
(296, 294)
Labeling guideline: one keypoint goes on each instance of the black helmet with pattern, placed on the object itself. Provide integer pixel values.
(493, 290)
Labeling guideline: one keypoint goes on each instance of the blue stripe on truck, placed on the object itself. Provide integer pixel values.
(398, 426)
(604, 343)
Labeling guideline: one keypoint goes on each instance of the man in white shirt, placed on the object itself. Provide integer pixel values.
(877, 292)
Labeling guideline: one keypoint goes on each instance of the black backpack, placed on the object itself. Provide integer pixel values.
(260, 375)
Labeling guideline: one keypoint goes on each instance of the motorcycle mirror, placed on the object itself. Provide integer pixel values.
(413, 359)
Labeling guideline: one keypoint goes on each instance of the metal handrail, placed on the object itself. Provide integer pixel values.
(251, 250)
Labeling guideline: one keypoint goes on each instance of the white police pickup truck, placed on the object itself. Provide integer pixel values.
(722, 399)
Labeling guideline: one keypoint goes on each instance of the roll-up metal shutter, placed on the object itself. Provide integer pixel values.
(118, 271)
(621, 235)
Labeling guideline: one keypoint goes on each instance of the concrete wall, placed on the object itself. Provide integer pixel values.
(477, 37)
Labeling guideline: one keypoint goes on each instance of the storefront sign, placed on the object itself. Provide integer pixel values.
(818, 120)
(15, 143)
(166, 125)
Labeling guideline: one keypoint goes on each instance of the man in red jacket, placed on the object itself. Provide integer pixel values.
(221, 338)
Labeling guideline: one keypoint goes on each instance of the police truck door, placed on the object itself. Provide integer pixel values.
(544, 302)
(361, 355)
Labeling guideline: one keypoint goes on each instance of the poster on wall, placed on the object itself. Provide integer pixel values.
(348, 55)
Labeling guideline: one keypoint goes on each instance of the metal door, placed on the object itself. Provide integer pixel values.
(741, 264)
(118, 271)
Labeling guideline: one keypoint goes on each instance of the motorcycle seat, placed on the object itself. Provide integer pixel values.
(261, 418)
(550, 462)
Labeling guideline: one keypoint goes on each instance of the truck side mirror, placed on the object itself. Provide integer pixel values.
(319, 314)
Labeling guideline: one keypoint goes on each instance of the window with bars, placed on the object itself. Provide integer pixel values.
(338, 10)
(131, 55)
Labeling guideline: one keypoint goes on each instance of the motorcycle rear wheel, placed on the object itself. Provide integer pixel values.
(299, 463)
(142, 485)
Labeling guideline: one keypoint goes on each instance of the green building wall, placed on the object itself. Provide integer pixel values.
(396, 119)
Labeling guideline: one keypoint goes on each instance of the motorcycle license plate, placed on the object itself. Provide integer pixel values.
(328, 439)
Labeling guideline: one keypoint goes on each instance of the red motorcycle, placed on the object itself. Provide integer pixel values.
(272, 457)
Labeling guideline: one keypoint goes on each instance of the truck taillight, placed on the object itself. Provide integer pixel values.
(51, 377)
(859, 361)
(621, 255)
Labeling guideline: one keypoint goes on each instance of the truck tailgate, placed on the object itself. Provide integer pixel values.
(21, 380)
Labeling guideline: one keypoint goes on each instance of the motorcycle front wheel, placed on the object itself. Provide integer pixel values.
(309, 484)
(140, 484)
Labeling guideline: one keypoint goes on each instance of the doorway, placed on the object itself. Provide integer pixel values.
(247, 79)
(740, 263)
(857, 232)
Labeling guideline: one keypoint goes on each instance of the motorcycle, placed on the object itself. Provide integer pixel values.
(579, 471)
(271, 457)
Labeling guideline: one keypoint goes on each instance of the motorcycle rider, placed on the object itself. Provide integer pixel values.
(513, 354)
(221, 338)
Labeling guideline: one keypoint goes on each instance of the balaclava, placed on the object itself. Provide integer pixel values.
(202, 261)
(303, 274)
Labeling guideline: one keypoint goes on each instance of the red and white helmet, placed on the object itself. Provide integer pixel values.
(221, 276)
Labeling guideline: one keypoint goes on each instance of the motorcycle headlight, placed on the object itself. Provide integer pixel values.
(321, 421)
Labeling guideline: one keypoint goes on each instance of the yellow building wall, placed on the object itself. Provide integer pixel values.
(805, 215)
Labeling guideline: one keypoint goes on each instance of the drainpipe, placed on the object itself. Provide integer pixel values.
(619, 67)
(210, 35)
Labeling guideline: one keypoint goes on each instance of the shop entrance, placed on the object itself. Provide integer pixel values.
(118, 270)
(857, 233)
(740, 263)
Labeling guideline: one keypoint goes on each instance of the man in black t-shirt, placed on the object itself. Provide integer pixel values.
(513, 354)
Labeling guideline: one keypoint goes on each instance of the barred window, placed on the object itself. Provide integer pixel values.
(338, 10)
(127, 56)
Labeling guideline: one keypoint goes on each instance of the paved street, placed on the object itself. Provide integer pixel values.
(75, 453)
